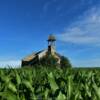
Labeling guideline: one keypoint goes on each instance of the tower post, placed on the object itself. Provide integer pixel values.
(51, 43)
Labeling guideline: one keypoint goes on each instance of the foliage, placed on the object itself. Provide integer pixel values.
(48, 60)
(49, 83)
(65, 63)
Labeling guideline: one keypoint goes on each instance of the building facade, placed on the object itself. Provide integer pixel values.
(34, 58)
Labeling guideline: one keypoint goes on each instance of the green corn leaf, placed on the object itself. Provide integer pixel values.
(87, 90)
(69, 87)
(6, 79)
(28, 85)
(8, 96)
(97, 91)
(77, 95)
(61, 97)
(46, 93)
(18, 79)
(12, 87)
(52, 82)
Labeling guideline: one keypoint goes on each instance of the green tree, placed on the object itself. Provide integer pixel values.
(65, 63)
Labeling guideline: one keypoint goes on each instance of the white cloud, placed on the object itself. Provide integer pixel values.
(10, 63)
(86, 30)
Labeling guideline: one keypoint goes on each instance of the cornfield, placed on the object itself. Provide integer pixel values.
(49, 84)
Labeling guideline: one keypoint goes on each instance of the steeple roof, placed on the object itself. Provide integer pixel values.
(51, 38)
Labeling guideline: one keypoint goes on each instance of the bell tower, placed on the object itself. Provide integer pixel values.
(51, 43)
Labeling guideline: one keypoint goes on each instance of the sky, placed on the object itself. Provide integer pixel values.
(26, 24)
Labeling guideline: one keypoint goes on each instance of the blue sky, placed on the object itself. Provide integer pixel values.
(26, 24)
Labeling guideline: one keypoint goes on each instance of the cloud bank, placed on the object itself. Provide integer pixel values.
(86, 30)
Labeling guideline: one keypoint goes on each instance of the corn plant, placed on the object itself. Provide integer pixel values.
(46, 83)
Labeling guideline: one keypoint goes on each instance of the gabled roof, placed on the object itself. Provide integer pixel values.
(33, 55)
(39, 54)
(29, 57)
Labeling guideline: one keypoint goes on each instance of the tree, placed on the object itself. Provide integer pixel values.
(65, 63)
